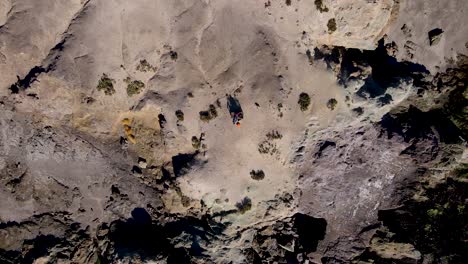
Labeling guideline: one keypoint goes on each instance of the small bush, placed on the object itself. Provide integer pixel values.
(331, 25)
(205, 116)
(320, 6)
(257, 175)
(331, 104)
(213, 111)
(274, 134)
(106, 84)
(264, 147)
(173, 55)
(210, 114)
(288, 2)
(144, 66)
(180, 115)
(185, 200)
(304, 101)
(244, 205)
(196, 142)
(134, 87)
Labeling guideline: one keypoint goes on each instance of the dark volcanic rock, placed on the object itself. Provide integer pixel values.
(182, 162)
(286, 239)
(376, 68)
(434, 36)
(433, 225)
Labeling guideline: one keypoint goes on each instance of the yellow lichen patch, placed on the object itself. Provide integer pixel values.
(131, 138)
(142, 131)
(126, 122)
(147, 117)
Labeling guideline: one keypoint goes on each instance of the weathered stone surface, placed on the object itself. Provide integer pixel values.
(352, 146)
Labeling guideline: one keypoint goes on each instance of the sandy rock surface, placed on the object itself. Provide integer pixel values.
(117, 143)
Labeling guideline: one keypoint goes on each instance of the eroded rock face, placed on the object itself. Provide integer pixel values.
(50, 237)
(5, 8)
(117, 142)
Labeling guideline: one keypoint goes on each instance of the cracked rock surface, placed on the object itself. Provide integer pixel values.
(117, 143)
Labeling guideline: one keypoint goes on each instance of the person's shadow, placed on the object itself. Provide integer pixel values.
(233, 105)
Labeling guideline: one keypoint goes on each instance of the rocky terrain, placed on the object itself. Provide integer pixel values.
(117, 144)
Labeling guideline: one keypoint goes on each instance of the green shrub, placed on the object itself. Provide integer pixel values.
(196, 142)
(206, 116)
(213, 111)
(106, 85)
(304, 101)
(134, 87)
(244, 205)
(331, 104)
(320, 6)
(144, 66)
(180, 115)
(331, 25)
(257, 175)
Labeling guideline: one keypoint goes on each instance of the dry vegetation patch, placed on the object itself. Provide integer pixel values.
(268, 146)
